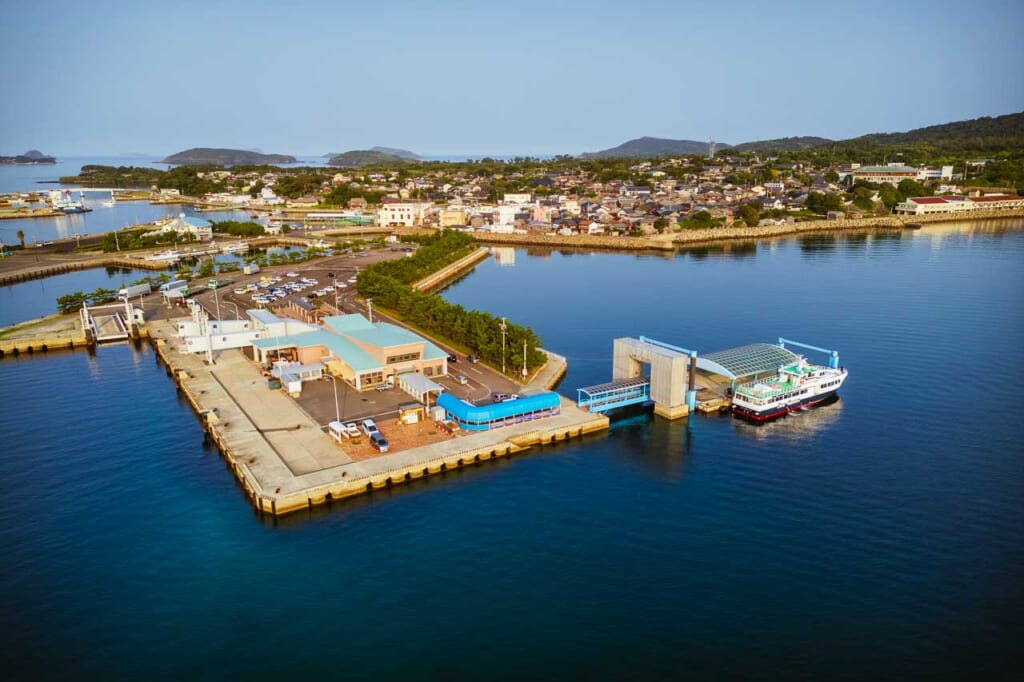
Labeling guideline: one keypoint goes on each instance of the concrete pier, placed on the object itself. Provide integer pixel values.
(285, 462)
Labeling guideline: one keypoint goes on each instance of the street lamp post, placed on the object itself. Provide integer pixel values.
(334, 284)
(504, 331)
(524, 360)
(369, 309)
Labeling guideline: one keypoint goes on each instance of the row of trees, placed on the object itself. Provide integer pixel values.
(141, 238)
(238, 228)
(387, 283)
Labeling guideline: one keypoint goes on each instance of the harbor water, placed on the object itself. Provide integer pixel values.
(875, 538)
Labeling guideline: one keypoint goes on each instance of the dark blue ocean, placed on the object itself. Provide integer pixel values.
(876, 538)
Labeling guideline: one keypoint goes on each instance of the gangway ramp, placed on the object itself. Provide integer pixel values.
(109, 327)
(110, 322)
(614, 394)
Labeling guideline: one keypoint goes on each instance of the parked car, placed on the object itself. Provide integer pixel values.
(461, 379)
(378, 441)
(350, 430)
(513, 396)
(474, 358)
(292, 274)
(452, 358)
(369, 427)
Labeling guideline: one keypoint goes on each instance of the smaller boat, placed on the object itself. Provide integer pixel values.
(74, 207)
(167, 255)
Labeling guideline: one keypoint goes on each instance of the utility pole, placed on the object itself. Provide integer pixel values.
(504, 331)
(337, 412)
(524, 359)
(369, 309)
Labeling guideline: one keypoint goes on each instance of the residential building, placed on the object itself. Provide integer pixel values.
(893, 174)
(952, 204)
(201, 229)
(402, 213)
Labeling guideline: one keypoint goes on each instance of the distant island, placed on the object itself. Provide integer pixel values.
(30, 158)
(201, 156)
(372, 157)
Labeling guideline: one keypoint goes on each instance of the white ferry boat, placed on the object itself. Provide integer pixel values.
(797, 386)
(168, 255)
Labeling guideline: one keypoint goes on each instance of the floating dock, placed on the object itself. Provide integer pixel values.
(285, 461)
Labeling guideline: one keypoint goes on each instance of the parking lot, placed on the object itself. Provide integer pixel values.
(326, 400)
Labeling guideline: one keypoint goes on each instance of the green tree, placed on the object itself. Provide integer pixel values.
(750, 214)
(661, 224)
(821, 203)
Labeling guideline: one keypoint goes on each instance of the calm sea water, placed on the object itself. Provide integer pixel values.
(878, 538)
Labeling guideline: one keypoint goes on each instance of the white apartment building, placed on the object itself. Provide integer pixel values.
(402, 214)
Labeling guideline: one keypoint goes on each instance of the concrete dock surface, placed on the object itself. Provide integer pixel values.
(286, 462)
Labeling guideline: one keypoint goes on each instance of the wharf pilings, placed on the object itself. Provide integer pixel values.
(43, 344)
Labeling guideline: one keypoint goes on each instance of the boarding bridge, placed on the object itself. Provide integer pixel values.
(645, 370)
(649, 371)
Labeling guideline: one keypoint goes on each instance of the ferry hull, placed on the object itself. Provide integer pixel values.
(778, 411)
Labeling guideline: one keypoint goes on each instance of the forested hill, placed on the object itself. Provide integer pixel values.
(782, 144)
(979, 134)
(199, 156)
(648, 147)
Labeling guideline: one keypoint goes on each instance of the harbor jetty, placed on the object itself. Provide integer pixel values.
(285, 462)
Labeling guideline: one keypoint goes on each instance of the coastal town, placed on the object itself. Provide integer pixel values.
(461, 341)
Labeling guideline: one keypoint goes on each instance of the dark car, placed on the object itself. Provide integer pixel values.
(474, 358)
(379, 441)
(452, 358)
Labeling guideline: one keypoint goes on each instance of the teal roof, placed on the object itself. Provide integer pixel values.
(380, 334)
(885, 169)
(432, 352)
(343, 324)
(338, 346)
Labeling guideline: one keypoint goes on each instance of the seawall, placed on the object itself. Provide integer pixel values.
(451, 271)
(670, 242)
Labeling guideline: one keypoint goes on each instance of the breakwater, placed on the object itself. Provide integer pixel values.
(451, 271)
(673, 241)
(72, 266)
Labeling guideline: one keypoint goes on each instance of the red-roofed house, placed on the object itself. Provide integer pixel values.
(923, 205)
(951, 204)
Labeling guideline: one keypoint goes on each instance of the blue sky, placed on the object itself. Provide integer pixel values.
(441, 77)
